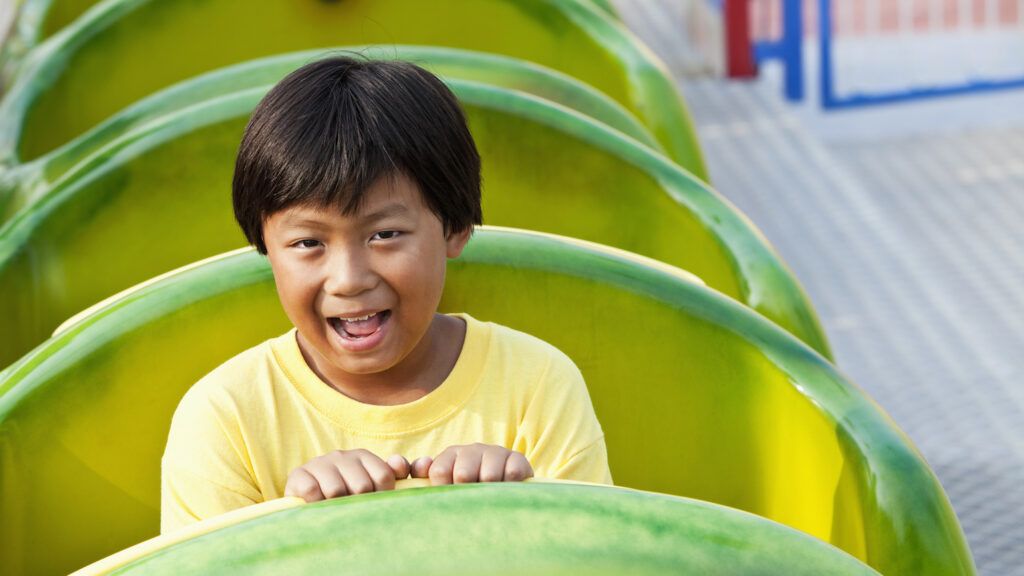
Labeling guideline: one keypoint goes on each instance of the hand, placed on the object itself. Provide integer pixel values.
(344, 472)
(473, 463)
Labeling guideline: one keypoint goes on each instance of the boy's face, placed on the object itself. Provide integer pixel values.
(361, 289)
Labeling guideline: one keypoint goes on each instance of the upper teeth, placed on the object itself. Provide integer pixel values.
(360, 318)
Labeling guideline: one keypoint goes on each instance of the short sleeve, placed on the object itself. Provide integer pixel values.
(203, 469)
(186, 498)
(588, 465)
(560, 432)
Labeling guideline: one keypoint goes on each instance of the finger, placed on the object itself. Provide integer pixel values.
(400, 466)
(327, 476)
(356, 477)
(517, 467)
(381, 474)
(421, 467)
(492, 464)
(441, 468)
(467, 464)
(303, 485)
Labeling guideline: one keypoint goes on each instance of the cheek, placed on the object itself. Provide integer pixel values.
(295, 291)
(419, 277)
(433, 269)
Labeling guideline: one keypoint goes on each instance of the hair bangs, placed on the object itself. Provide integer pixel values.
(330, 130)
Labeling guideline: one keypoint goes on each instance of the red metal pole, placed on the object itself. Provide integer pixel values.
(739, 53)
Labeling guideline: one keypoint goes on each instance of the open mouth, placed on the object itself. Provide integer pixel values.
(361, 327)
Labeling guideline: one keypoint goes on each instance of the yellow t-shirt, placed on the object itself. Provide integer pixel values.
(241, 429)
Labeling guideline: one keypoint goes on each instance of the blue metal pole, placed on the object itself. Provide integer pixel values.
(789, 49)
(828, 95)
(793, 48)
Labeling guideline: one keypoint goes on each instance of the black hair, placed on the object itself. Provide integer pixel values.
(332, 128)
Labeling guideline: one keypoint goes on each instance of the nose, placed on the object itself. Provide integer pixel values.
(349, 272)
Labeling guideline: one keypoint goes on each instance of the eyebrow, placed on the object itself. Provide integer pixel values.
(299, 222)
(387, 211)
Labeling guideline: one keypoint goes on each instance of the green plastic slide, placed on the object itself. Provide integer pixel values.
(123, 50)
(40, 19)
(529, 528)
(698, 396)
(109, 222)
(25, 182)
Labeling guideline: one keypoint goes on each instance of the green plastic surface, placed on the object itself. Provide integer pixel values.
(40, 19)
(697, 395)
(25, 182)
(124, 50)
(607, 6)
(505, 529)
(108, 223)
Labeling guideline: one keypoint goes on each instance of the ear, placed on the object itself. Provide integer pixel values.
(456, 241)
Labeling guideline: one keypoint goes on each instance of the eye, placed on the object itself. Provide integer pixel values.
(307, 243)
(386, 235)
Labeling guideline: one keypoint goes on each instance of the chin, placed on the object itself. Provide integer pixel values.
(363, 368)
(368, 364)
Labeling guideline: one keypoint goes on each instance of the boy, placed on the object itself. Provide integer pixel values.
(358, 180)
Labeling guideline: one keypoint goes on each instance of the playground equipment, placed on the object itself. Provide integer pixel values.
(618, 191)
(589, 139)
(123, 50)
(734, 410)
(563, 528)
(22, 183)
